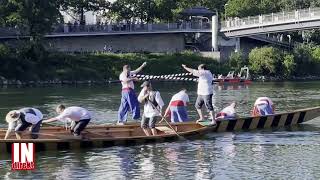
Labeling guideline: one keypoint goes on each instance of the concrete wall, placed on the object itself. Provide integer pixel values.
(121, 43)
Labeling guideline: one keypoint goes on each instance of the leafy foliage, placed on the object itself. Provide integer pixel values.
(33, 17)
(266, 60)
(289, 65)
(237, 61)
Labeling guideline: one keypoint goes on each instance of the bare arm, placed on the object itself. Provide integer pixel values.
(50, 120)
(190, 70)
(140, 68)
(143, 96)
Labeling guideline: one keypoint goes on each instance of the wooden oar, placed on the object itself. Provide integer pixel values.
(165, 114)
(164, 118)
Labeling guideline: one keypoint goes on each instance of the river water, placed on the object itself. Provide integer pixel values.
(286, 153)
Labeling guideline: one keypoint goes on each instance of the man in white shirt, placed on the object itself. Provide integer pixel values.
(78, 115)
(263, 106)
(228, 112)
(178, 106)
(205, 90)
(129, 100)
(20, 120)
(153, 104)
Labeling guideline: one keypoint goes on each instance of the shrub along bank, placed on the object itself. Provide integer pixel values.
(38, 65)
(302, 61)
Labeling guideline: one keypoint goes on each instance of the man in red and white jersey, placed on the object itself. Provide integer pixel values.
(228, 112)
(178, 107)
(129, 101)
(262, 107)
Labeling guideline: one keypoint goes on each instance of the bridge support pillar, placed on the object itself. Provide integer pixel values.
(215, 26)
(237, 49)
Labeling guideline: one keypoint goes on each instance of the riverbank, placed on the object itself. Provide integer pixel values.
(59, 68)
(282, 79)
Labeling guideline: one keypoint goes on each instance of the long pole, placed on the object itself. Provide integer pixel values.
(164, 118)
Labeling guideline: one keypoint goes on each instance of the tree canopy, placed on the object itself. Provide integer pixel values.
(243, 8)
(32, 17)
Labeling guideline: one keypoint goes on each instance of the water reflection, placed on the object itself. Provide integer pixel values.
(286, 153)
(275, 154)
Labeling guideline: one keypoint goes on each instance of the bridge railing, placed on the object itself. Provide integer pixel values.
(116, 28)
(271, 19)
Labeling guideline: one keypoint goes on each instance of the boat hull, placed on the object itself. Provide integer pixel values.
(66, 142)
(270, 121)
(127, 135)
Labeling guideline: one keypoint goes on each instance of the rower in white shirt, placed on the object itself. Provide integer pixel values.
(20, 120)
(178, 107)
(228, 112)
(78, 115)
(153, 104)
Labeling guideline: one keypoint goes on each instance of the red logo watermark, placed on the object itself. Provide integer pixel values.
(23, 156)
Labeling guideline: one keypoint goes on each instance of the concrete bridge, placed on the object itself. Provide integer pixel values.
(233, 27)
(272, 23)
(153, 37)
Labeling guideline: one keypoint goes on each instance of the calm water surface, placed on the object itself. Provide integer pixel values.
(287, 153)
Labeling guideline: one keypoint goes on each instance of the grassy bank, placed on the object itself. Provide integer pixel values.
(98, 67)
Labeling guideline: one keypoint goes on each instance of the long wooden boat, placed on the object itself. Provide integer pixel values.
(223, 81)
(242, 78)
(57, 138)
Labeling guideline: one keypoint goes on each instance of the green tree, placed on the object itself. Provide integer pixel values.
(33, 17)
(244, 8)
(144, 10)
(316, 54)
(237, 61)
(303, 59)
(266, 61)
(292, 5)
(158, 10)
(289, 65)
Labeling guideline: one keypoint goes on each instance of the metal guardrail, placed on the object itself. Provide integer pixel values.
(271, 19)
(116, 28)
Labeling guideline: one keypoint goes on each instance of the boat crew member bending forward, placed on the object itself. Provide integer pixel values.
(263, 106)
(205, 90)
(153, 104)
(80, 117)
(20, 120)
(228, 112)
(129, 100)
(178, 107)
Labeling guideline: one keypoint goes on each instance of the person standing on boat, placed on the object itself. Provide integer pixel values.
(263, 106)
(20, 120)
(153, 104)
(205, 90)
(80, 117)
(129, 100)
(228, 112)
(178, 107)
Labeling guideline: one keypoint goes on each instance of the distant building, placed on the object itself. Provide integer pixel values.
(90, 17)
